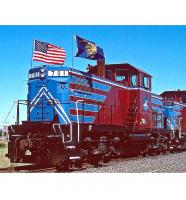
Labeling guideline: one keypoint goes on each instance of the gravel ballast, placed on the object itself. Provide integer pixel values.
(162, 163)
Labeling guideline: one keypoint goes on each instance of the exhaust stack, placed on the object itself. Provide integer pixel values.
(101, 68)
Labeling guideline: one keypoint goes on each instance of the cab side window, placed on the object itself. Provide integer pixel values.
(121, 75)
(108, 74)
(134, 80)
(145, 82)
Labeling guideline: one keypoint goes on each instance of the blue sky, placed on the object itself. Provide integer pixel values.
(158, 50)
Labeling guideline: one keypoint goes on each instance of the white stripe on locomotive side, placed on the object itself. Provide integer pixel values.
(56, 109)
(36, 102)
(36, 95)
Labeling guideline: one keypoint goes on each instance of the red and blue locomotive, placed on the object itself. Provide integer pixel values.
(75, 116)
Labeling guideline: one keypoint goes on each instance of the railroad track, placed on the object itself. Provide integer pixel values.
(49, 169)
(34, 168)
(27, 169)
(39, 169)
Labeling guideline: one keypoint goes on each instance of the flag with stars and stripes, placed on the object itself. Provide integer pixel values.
(48, 53)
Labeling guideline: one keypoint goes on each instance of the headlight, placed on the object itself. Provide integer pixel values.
(28, 153)
(42, 73)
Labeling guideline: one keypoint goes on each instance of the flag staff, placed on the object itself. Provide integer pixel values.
(32, 52)
(73, 36)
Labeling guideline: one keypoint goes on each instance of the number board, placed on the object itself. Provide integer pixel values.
(57, 73)
(34, 75)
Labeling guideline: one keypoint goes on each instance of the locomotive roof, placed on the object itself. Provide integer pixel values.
(127, 66)
(174, 92)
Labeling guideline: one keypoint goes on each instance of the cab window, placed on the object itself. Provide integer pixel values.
(145, 82)
(134, 80)
(108, 74)
(121, 75)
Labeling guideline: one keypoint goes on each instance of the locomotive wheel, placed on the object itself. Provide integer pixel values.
(158, 151)
(172, 151)
(165, 149)
(106, 159)
(154, 153)
(145, 152)
(95, 163)
(94, 160)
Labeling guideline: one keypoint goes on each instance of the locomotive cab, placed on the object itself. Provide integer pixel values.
(139, 90)
(124, 74)
(140, 93)
(138, 87)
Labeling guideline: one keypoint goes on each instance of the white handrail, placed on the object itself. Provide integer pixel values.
(77, 112)
(56, 124)
(179, 126)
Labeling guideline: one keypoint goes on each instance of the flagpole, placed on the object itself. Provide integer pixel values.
(32, 52)
(73, 52)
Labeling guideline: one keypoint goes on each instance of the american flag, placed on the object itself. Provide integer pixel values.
(48, 53)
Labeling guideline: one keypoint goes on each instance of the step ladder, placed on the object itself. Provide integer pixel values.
(132, 114)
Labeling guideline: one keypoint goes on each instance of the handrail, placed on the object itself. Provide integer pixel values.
(61, 132)
(80, 100)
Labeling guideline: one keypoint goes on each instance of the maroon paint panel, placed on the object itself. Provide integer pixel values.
(115, 110)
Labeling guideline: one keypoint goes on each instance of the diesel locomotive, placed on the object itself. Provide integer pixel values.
(108, 111)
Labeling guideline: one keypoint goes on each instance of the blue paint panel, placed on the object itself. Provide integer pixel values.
(88, 83)
(87, 119)
(170, 112)
(156, 109)
(159, 117)
(101, 86)
(86, 95)
(172, 116)
(62, 91)
(159, 125)
(53, 91)
(80, 81)
(157, 101)
(85, 107)
(178, 107)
